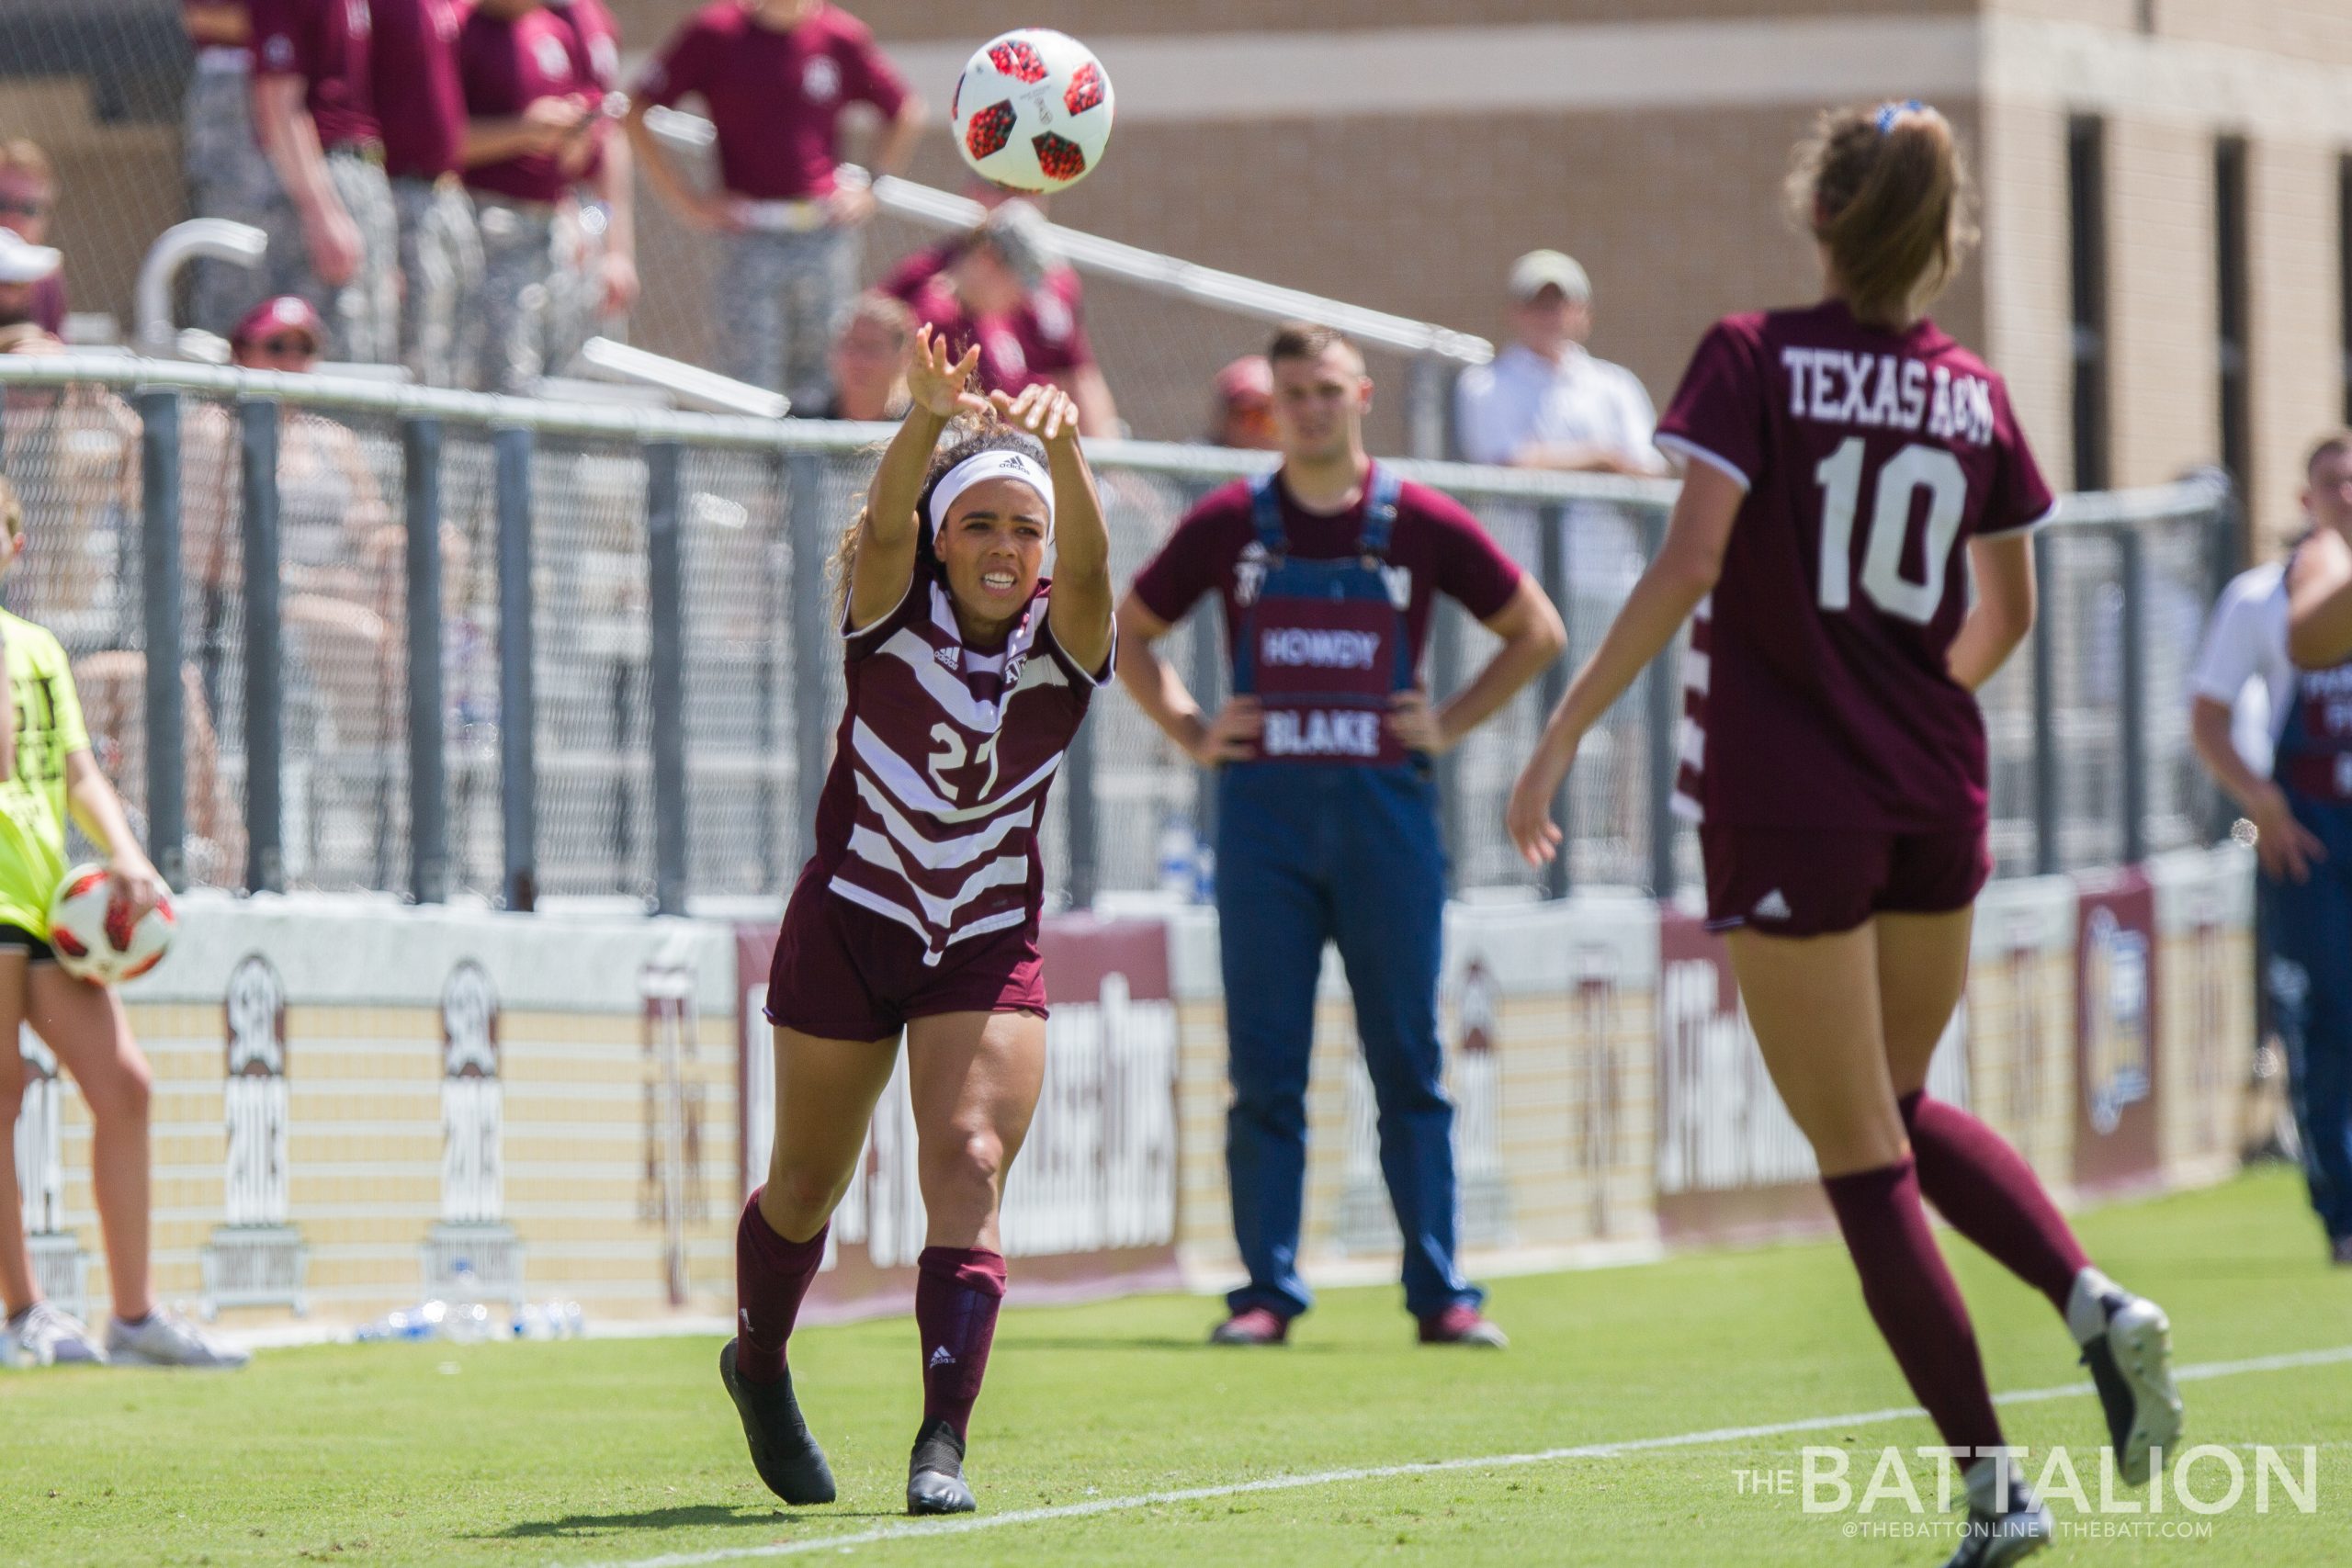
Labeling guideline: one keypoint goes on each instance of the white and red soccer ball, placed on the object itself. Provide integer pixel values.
(1032, 111)
(94, 936)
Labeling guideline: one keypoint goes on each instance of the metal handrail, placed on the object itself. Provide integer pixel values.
(1151, 270)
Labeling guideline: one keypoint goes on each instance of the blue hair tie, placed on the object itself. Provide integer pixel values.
(1888, 114)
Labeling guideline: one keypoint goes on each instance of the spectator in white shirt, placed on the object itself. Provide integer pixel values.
(1545, 403)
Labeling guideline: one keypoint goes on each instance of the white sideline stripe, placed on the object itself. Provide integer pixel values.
(2202, 1373)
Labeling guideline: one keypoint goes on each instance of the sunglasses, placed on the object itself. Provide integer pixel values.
(22, 207)
(287, 347)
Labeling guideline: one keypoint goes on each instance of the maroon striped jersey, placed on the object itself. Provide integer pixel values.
(930, 815)
(1817, 690)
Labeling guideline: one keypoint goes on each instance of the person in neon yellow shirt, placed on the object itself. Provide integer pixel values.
(47, 772)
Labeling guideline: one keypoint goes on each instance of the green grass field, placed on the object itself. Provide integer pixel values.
(621, 1452)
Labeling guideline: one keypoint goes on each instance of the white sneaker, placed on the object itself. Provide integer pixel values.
(46, 1337)
(168, 1339)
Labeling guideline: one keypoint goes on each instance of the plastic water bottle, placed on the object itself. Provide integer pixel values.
(1205, 875)
(1179, 854)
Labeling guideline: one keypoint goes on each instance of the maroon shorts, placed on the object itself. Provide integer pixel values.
(1814, 881)
(843, 972)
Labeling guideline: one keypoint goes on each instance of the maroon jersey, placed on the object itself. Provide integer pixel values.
(507, 66)
(1436, 548)
(325, 42)
(1044, 338)
(419, 97)
(596, 54)
(1817, 691)
(775, 97)
(930, 815)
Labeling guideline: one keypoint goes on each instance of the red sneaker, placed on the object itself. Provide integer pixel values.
(1462, 1324)
(1252, 1326)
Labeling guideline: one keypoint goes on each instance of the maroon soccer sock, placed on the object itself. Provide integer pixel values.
(1914, 1301)
(957, 1293)
(1991, 1196)
(771, 1276)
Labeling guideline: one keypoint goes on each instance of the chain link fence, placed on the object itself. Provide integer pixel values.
(651, 591)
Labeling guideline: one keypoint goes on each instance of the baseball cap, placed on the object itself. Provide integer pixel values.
(1538, 270)
(23, 262)
(276, 315)
(1248, 379)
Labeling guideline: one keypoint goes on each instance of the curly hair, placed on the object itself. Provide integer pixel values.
(967, 436)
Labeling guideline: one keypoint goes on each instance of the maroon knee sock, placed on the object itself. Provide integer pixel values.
(1987, 1192)
(1912, 1298)
(956, 1295)
(771, 1276)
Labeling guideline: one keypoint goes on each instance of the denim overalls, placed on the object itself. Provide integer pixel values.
(1331, 835)
(2310, 972)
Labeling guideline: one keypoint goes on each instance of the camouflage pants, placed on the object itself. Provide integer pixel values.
(575, 283)
(517, 253)
(227, 176)
(441, 272)
(363, 317)
(781, 298)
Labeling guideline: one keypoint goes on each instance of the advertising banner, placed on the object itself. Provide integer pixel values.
(2117, 1087)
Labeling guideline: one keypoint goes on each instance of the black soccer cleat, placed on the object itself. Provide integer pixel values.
(2131, 1365)
(784, 1453)
(1994, 1540)
(935, 1482)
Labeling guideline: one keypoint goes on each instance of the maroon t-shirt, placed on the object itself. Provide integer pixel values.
(1044, 338)
(596, 54)
(326, 43)
(776, 98)
(1438, 547)
(49, 303)
(419, 97)
(507, 66)
(1817, 691)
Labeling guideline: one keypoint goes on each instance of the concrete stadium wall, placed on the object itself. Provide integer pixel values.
(353, 1098)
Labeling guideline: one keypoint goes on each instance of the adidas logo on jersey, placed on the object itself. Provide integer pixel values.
(951, 655)
(940, 1358)
(1771, 907)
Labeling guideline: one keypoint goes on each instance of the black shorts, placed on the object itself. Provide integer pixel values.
(36, 950)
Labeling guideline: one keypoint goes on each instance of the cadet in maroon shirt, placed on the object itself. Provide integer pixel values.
(776, 76)
(421, 103)
(1327, 809)
(531, 105)
(594, 279)
(314, 110)
(1848, 468)
(1004, 288)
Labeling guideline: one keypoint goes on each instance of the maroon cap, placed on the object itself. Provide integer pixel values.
(276, 315)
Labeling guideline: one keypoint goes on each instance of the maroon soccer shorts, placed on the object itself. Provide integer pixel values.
(843, 972)
(1814, 881)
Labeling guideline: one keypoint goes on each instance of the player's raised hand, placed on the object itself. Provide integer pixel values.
(1044, 410)
(1528, 817)
(936, 383)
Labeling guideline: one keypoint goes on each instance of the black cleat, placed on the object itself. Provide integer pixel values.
(1994, 1540)
(784, 1453)
(936, 1473)
(2130, 1366)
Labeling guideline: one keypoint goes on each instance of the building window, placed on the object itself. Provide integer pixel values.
(2230, 312)
(2087, 295)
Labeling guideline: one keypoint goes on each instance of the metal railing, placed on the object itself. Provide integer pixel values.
(350, 635)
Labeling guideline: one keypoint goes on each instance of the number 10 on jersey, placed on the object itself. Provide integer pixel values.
(1915, 468)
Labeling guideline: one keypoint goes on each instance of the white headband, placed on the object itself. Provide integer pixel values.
(1001, 463)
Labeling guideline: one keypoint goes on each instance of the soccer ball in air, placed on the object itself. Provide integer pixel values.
(93, 935)
(1032, 110)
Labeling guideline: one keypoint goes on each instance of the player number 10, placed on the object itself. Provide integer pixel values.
(1915, 468)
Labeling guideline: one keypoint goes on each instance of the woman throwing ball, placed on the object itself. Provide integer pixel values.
(1840, 461)
(969, 671)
